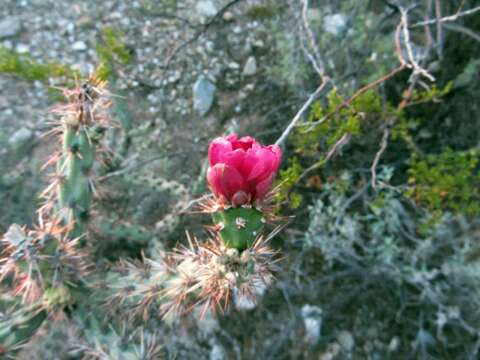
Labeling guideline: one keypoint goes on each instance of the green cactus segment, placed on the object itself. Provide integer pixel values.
(16, 329)
(75, 191)
(239, 226)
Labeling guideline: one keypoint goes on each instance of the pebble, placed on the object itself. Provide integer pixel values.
(312, 320)
(217, 353)
(22, 48)
(21, 136)
(346, 340)
(79, 46)
(233, 65)
(250, 67)
(335, 24)
(394, 344)
(203, 95)
(259, 44)
(228, 16)
(70, 28)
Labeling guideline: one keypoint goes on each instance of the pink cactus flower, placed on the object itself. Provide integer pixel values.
(241, 170)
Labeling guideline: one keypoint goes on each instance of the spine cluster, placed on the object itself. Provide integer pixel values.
(82, 123)
(46, 265)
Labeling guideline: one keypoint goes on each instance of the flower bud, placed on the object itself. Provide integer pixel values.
(241, 170)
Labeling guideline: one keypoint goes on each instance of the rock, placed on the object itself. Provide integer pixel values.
(346, 341)
(210, 46)
(249, 87)
(85, 21)
(227, 16)
(20, 137)
(22, 48)
(203, 95)
(394, 344)
(233, 65)
(217, 352)
(79, 46)
(250, 67)
(237, 30)
(206, 8)
(9, 27)
(334, 24)
(259, 44)
(312, 320)
(70, 28)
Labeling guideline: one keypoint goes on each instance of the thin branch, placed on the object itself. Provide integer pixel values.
(300, 112)
(463, 30)
(438, 13)
(403, 65)
(357, 94)
(406, 37)
(334, 149)
(315, 59)
(378, 155)
(446, 18)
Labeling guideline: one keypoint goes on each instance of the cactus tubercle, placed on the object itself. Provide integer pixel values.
(239, 227)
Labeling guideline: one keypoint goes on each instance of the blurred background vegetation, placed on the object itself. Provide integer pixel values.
(380, 177)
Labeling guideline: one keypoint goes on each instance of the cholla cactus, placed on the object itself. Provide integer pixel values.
(43, 263)
(82, 122)
(240, 176)
(210, 274)
(122, 343)
(47, 257)
(200, 275)
(235, 263)
(18, 327)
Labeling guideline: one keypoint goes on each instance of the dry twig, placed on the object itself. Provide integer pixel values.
(300, 112)
(446, 18)
(378, 155)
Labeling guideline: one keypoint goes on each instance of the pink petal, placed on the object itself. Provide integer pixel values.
(265, 160)
(231, 138)
(232, 181)
(217, 149)
(277, 152)
(214, 180)
(249, 162)
(263, 187)
(257, 170)
(234, 159)
(225, 180)
(244, 143)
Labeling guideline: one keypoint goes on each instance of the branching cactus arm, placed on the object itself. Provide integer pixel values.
(81, 126)
(46, 266)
